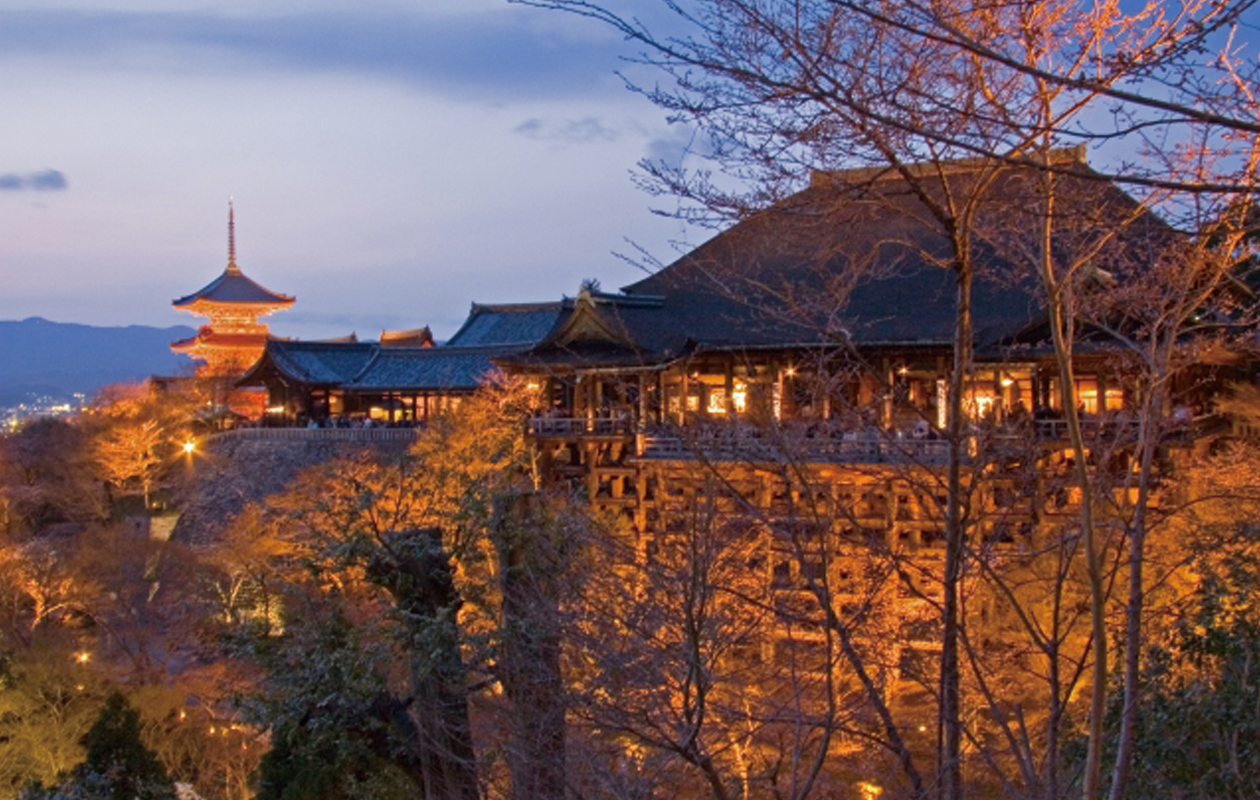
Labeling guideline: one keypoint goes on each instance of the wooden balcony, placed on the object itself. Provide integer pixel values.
(569, 427)
(824, 450)
(350, 435)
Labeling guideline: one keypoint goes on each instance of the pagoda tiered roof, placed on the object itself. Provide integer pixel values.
(233, 287)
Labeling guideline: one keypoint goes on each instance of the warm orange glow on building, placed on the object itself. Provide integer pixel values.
(235, 338)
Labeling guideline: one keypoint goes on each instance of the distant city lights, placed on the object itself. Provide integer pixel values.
(40, 407)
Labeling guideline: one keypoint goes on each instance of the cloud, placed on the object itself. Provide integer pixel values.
(587, 129)
(499, 55)
(49, 180)
(670, 149)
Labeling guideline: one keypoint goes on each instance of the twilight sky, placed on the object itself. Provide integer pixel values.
(391, 160)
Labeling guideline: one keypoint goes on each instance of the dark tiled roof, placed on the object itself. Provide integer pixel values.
(316, 362)
(857, 256)
(233, 287)
(426, 369)
(644, 330)
(517, 324)
(367, 366)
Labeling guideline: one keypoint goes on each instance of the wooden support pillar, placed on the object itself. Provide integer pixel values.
(661, 399)
(890, 381)
(684, 388)
(592, 476)
(999, 396)
(730, 387)
(776, 394)
(640, 506)
(640, 422)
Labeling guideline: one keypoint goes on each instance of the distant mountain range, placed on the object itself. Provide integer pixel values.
(39, 357)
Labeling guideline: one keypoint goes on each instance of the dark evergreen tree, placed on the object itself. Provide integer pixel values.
(118, 765)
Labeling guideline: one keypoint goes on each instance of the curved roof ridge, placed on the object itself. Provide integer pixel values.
(1058, 157)
(538, 305)
(234, 287)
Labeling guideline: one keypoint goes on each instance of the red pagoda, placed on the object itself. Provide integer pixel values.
(234, 339)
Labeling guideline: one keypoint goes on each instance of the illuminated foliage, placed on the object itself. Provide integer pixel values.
(132, 453)
(387, 566)
(137, 440)
(117, 765)
(47, 476)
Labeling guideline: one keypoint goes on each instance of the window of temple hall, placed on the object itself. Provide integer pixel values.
(717, 401)
(1087, 393)
(740, 397)
(980, 405)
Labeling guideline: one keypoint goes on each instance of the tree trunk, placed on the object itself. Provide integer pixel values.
(1059, 322)
(420, 578)
(1152, 411)
(529, 656)
(950, 708)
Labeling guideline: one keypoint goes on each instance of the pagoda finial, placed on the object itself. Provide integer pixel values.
(231, 267)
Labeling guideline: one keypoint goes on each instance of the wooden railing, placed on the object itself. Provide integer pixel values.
(824, 450)
(354, 435)
(1055, 430)
(578, 426)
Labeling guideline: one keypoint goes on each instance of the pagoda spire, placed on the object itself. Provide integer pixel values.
(231, 267)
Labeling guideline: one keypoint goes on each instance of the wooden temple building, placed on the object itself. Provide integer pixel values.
(399, 379)
(820, 329)
(791, 373)
(234, 338)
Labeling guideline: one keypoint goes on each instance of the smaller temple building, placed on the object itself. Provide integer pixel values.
(234, 338)
(402, 379)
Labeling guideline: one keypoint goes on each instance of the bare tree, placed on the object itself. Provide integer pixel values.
(777, 89)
